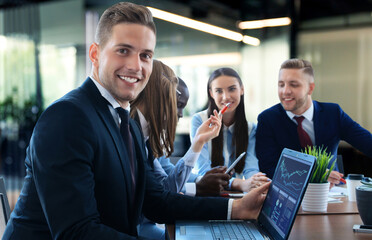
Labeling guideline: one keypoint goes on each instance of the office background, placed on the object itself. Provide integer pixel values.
(43, 55)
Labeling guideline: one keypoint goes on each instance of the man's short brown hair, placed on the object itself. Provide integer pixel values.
(295, 63)
(122, 12)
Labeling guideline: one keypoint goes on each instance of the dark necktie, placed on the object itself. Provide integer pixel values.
(302, 134)
(128, 140)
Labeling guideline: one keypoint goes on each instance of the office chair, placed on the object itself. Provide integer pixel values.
(4, 207)
(340, 164)
(4, 200)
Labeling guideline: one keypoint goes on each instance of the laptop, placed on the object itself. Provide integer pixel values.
(278, 212)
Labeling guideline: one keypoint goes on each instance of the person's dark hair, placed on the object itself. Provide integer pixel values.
(181, 83)
(159, 101)
(295, 63)
(182, 92)
(240, 135)
(122, 12)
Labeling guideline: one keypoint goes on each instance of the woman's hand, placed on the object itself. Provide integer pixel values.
(334, 178)
(247, 185)
(206, 133)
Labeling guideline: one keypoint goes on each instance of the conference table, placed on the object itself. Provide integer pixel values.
(335, 224)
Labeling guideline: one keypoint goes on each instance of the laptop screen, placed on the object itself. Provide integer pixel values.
(286, 191)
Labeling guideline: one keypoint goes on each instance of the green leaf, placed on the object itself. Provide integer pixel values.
(323, 158)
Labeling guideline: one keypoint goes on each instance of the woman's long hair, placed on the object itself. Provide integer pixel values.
(240, 134)
(159, 102)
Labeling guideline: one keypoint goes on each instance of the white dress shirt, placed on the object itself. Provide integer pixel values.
(113, 103)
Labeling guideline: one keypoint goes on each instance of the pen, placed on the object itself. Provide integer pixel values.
(234, 163)
(342, 180)
(223, 110)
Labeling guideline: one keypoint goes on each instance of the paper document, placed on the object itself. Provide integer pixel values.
(334, 200)
(337, 192)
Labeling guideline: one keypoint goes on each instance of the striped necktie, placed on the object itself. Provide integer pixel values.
(302, 134)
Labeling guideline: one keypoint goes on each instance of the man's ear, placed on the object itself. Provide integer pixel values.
(94, 54)
(311, 87)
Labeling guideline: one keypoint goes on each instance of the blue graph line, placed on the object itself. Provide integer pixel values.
(287, 177)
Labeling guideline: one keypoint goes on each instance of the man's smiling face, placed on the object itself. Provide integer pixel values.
(124, 63)
(294, 90)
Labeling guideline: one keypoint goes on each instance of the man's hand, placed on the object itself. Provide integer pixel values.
(213, 182)
(334, 178)
(253, 182)
(250, 205)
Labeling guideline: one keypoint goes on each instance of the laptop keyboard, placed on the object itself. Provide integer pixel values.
(231, 230)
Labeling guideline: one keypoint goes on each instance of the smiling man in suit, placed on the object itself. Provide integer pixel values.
(317, 124)
(86, 176)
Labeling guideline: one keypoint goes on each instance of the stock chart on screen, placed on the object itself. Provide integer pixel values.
(288, 183)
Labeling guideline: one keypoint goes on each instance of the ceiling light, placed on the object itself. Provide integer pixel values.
(273, 22)
(197, 25)
(216, 59)
(251, 40)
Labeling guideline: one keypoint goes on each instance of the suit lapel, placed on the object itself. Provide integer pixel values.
(141, 169)
(149, 157)
(291, 130)
(100, 104)
(320, 122)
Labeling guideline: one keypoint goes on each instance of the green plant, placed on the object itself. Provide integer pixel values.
(321, 171)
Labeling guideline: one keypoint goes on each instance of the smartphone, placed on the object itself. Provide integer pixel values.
(234, 163)
(362, 228)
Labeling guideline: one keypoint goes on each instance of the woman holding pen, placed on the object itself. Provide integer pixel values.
(225, 89)
(157, 109)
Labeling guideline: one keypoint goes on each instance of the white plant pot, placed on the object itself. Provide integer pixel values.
(316, 197)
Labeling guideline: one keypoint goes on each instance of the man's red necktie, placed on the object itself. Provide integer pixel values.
(302, 134)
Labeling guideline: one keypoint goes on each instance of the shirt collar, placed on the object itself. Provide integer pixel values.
(308, 114)
(107, 95)
(229, 128)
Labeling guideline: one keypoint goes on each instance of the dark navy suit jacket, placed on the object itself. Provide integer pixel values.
(275, 131)
(78, 183)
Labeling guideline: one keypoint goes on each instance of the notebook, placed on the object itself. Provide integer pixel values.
(278, 212)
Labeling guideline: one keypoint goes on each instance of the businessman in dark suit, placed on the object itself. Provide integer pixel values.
(324, 123)
(84, 179)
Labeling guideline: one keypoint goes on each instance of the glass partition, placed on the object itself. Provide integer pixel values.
(342, 61)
